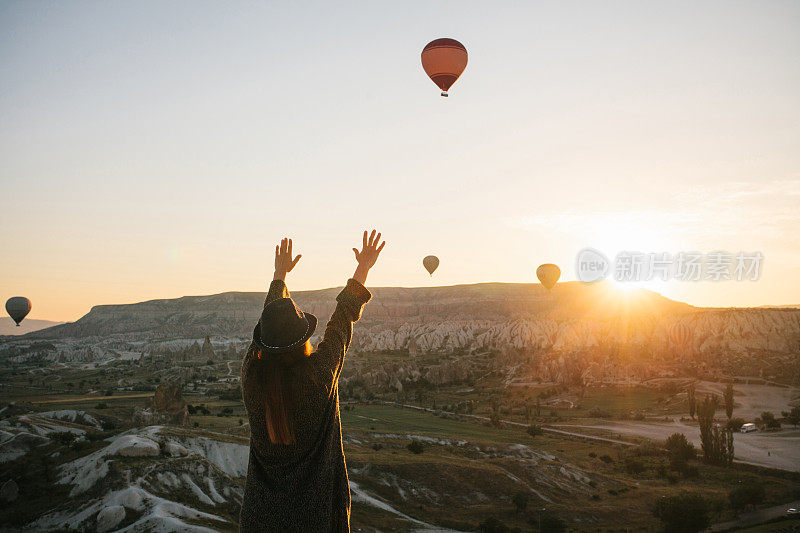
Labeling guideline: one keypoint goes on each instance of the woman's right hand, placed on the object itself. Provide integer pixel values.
(283, 259)
(368, 255)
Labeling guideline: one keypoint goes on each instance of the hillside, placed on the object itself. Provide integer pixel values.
(7, 326)
(496, 317)
(234, 313)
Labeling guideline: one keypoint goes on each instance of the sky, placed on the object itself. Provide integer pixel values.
(161, 149)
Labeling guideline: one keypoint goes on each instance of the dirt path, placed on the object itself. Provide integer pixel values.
(751, 400)
(589, 437)
(753, 518)
(94, 398)
(519, 424)
(779, 449)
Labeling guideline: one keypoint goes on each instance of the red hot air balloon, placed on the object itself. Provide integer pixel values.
(444, 60)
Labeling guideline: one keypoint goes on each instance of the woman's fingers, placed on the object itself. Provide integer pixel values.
(296, 259)
(381, 246)
(289, 249)
(377, 240)
(276, 251)
(372, 238)
(365, 239)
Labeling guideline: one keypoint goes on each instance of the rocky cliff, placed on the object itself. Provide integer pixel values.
(471, 318)
(234, 313)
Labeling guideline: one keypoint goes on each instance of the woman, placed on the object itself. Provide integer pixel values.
(297, 478)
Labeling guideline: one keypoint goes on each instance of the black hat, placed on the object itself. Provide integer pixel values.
(283, 327)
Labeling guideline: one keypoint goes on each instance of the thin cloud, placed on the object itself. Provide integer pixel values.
(756, 210)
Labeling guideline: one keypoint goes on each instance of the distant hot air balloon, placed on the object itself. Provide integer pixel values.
(681, 337)
(18, 308)
(431, 263)
(548, 274)
(680, 334)
(444, 60)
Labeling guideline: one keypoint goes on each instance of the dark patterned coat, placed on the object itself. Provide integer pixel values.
(303, 486)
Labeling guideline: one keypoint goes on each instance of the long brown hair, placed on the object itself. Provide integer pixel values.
(277, 378)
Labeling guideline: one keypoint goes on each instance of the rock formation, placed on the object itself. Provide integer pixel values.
(168, 403)
(487, 317)
(9, 491)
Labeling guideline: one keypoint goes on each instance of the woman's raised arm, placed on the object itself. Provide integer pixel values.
(339, 331)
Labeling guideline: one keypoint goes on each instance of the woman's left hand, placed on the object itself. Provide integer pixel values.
(283, 259)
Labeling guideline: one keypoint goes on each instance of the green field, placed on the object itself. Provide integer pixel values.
(385, 419)
(384, 431)
(469, 470)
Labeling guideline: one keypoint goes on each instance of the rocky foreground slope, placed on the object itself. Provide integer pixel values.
(161, 478)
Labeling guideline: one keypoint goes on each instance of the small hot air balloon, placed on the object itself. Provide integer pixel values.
(548, 274)
(18, 308)
(681, 337)
(444, 60)
(431, 263)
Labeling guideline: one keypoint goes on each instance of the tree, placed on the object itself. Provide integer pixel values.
(735, 424)
(679, 448)
(684, 513)
(415, 447)
(705, 417)
(552, 524)
(717, 505)
(716, 442)
(793, 416)
(634, 466)
(494, 417)
(728, 396)
(534, 430)
(493, 525)
(520, 500)
(63, 437)
(750, 493)
(769, 421)
(691, 400)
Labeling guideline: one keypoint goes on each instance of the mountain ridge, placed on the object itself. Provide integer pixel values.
(488, 300)
(29, 325)
(520, 322)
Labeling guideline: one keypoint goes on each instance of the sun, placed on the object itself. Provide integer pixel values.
(619, 235)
